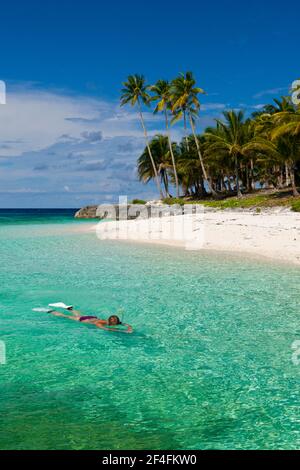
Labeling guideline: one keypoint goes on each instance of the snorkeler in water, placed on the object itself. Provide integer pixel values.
(109, 325)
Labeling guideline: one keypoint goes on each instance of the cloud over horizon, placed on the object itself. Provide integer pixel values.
(62, 150)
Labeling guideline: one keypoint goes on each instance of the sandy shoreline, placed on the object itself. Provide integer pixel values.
(270, 234)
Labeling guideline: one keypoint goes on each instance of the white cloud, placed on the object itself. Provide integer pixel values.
(33, 120)
(65, 142)
(271, 91)
(61, 150)
(126, 117)
(258, 106)
(213, 106)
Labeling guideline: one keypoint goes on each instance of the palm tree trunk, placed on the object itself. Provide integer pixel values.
(279, 177)
(292, 176)
(287, 178)
(185, 131)
(237, 178)
(163, 179)
(224, 187)
(203, 189)
(166, 184)
(185, 190)
(149, 151)
(229, 184)
(172, 153)
(248, 185)
(200, 158)
(252, 175)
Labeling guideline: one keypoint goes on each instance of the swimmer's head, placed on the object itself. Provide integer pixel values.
(114, 320)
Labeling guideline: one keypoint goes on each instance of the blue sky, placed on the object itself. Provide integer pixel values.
(64, 142)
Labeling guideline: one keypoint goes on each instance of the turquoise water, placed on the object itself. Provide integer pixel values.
(208, 366)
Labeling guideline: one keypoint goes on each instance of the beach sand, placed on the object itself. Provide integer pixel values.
(273, 234)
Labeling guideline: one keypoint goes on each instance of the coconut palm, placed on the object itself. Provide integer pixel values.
(287, 123)
(274, 123)
(278, 106)
(281, 125)
(189, 169)
(235, 154)
(135, 92)
(287, 127)
(221, 163)
(161, 154)
(185, 103)
(228, 141)
(161, 92)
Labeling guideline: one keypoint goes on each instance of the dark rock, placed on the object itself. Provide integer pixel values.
(112, 211)
(88, 212)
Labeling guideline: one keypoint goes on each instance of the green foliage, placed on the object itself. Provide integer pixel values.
(296, 205)
(160, 151)
(174, 200)
(138, 201)
(161, 95)
(185, 94)
(238, 203)
(257, 201)
(234, 157)
(135, 91)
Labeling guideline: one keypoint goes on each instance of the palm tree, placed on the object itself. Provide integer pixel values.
(160, 151)
(135, 92)
(228, 140)
(185, 103)
(280, 124)
(221, 164)
(189, 169)
(264, 125)
(271, 124)
(287, 127)
(280, 105)
(161, 92)
(287, 123)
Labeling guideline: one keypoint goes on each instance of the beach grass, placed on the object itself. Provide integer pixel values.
(256, 201)
(138, 201)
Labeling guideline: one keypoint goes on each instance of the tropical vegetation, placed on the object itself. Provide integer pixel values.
(239, 155)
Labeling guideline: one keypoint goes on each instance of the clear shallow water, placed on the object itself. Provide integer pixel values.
(209, 365)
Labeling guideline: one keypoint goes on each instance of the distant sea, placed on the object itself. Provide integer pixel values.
(28, 216)
(209, 365)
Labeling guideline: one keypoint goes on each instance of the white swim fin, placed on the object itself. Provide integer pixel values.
(45, 310)
(61, 305)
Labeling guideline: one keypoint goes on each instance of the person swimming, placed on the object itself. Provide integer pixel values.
(108, 325)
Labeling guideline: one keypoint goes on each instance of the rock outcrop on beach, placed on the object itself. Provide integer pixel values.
(112, 211)
(134, 211)
(88, 212)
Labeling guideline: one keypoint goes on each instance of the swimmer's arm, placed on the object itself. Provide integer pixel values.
(76, 313)
(129, 328)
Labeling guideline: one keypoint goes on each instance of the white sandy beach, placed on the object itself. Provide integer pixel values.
(274, 234)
